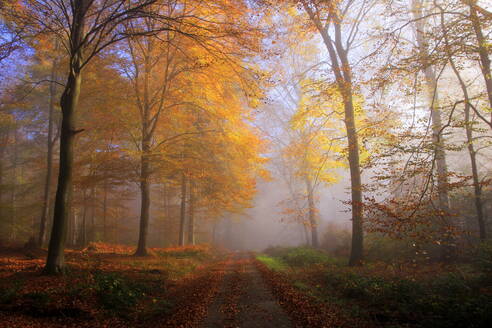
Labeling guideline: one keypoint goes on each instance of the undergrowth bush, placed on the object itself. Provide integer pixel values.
(8, 294)
(305, 256)
(447, 301)
(484, 257)
(116, 293)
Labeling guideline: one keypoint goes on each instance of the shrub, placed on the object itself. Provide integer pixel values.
(484, 257)
(36, 303)
(382, 248)
(449, 300)
(305, 256)
(115, 293)
(8, 294)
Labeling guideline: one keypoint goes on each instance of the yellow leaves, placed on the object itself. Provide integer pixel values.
(292, 11)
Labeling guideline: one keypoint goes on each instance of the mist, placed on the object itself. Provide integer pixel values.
(245, 163)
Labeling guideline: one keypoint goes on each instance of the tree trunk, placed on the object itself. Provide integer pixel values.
(83, 230)
(472, 153)
(183, 211)
(356, 253)
(92, 231)
(13, 191)
(191, 214)
(55, 262)
(145, 157)
(476, 182)
(49, 160)
(343, 76)
(437, 139)
(306, 234)
(483, 52)
(145, 198)
(105, 211)
(312, 214)
(469, 137)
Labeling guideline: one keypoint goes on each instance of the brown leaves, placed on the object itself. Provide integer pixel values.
(303, 309)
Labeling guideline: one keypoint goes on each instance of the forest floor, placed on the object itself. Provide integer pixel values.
(196, 286)
(244, 300)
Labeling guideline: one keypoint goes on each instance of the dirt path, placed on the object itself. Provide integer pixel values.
(244, 299)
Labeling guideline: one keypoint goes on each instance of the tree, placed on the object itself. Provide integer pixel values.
(325, 17)
(468, 126)
(84, 28)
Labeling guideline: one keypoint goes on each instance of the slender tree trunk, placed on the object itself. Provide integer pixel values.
(469, 137)
(433, 99)
(483, 52)
(437, 138)
(75, 222)
(145, 198)
(476, 182)
(343, 75)
(105, 211)
(306, 234)
(13, 191)
(49, 160)
(1, 182)
(313, 224)
(182, 221)
(191, 214)
(472, 153)
(356, 254)
(55, 262)
(83, 230)
(92, 230)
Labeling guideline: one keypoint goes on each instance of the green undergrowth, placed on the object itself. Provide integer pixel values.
(302, 256)
(454, 296)
(272, 263)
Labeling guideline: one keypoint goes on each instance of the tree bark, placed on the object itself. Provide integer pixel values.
(145, 198)
(313, 224)
(105, 210)
(55, 262)
(191, 214)
(469, 137)
(343, 76)
(183, 211)
(92, 235)
(13, 191)
(83, 230)
(49, 160)
(437, 138)
(147, 133)
(433, 99)
(483, 52)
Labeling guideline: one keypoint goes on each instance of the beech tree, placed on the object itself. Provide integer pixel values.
(84, 28)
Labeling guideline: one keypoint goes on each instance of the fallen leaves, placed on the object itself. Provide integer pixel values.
(306, 311)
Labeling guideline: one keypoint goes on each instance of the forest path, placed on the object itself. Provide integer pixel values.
(244, 300)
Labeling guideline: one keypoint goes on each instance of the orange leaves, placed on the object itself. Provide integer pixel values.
(306, 311)
(72, 300)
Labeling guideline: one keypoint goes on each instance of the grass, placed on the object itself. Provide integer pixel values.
(272, 263)
(303, 256)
